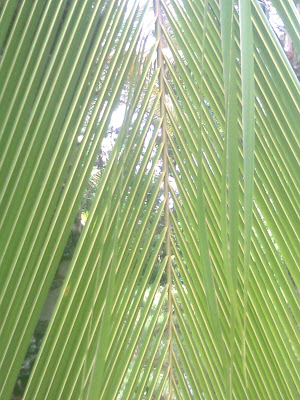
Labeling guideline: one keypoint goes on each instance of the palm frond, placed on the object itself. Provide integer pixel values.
(184, 281)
